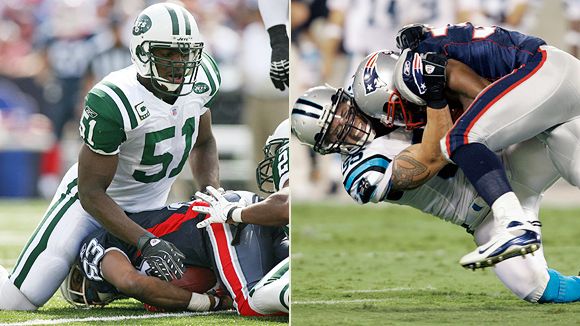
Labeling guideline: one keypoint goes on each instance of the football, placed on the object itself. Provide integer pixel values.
(196, 279)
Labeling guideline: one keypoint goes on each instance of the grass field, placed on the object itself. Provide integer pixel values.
(391, 265)
(17, 221)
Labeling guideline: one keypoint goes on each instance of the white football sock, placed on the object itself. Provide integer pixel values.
(507, 208)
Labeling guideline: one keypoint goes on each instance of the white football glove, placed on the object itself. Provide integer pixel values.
(219, 209)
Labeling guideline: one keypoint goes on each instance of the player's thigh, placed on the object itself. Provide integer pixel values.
(563, 145)
(519, 106)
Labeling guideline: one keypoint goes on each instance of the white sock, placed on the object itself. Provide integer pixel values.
(507, 208)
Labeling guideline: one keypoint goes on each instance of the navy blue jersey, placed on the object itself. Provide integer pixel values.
(492, 52)
(175, 223)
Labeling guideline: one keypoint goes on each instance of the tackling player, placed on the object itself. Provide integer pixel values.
(139, 126)
(379, 163)
(534, 88)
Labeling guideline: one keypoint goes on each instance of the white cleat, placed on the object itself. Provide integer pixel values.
(515, 241)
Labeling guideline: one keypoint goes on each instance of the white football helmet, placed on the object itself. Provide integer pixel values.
(81, 292)
(375, 93)
(268, 171)
(326, 119)
(166, 26)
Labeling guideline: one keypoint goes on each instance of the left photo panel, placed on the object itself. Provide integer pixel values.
(144, 162)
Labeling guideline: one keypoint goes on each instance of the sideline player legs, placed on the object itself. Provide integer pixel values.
(130, 116)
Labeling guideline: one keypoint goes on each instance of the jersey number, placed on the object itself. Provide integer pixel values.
(91, 258)
(149, 157)
(479, 32)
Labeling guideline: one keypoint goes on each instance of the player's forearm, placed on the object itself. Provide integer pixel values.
(110, 215)
(273, 211)
(418, 163)
(204, 164)
(438, 123)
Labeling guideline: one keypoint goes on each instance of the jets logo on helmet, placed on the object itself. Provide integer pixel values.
(142, 25)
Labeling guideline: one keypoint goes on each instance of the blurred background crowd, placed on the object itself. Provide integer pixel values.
(53, 51)
(331, 37)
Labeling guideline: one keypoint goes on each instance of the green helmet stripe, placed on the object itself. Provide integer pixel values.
(213, 65)
(209, 78)
(174, 21)
(125, 101)
(187, 24)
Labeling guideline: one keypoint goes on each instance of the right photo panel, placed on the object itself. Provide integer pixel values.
(435, 161)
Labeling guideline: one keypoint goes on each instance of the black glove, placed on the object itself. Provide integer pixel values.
(279, 63)
(434, 65)
(409, 36)
(164, 259)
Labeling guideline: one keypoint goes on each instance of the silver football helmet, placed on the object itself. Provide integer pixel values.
(166, 26)
(326, 119)
(375, 93)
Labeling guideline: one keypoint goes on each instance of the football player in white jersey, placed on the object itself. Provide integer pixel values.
(272, 293)
(139, 126)
(382, 164)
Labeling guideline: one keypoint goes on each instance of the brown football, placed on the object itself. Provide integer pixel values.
(196, 279)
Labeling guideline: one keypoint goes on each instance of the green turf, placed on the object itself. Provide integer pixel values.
(387, 265)
(17, 221)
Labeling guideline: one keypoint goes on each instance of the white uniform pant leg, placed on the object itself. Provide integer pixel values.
(526, 276)
(521, 105)
(47, 257)
(563, 144)
(272, 293)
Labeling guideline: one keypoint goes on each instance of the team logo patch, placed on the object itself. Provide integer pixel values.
(142, 25)
(418, 74)
(142, 111)
(92, 114)
(371, 78)
(200, 88)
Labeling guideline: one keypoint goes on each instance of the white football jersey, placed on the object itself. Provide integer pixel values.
(152, 138)
(449, 195)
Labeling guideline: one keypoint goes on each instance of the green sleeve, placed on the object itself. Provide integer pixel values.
(101, 126)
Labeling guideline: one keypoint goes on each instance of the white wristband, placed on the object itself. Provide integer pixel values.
(237, 215)
(199, 302)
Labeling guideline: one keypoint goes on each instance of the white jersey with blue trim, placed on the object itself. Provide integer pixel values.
(449, 196)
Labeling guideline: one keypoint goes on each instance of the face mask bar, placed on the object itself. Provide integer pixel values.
(264, 171)
(352, 132)
(186, 68)
(397, 114)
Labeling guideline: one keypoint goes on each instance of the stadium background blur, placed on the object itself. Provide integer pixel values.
(330, 38)
(53, 51)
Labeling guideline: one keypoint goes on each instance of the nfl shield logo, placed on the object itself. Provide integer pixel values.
(174, 111)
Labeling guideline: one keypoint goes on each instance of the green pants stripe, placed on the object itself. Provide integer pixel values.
(41, 246)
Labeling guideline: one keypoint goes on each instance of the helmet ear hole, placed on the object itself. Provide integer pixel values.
(142, 54)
